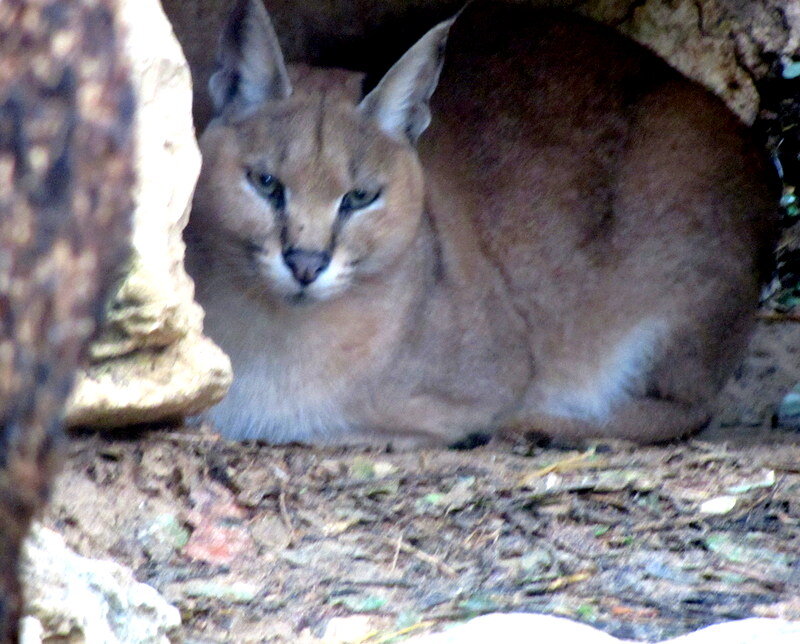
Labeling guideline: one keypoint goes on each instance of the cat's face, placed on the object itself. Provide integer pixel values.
(305, 193)
(306, 197)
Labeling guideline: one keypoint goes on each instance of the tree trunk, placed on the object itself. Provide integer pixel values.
(65, 177)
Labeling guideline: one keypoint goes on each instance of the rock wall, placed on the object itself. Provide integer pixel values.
(729, 45)
(65, 179)
(152, 362)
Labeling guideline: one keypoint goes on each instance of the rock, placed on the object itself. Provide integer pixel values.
(517, 628)
(700, 45)
(718, 505)
(341, 630)
(31, 631)
(162, 537)
(152, 362)
(269, 532)
(520, 628)
(75, 599)
(745, 631)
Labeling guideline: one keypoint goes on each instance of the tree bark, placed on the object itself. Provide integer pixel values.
(65, 178)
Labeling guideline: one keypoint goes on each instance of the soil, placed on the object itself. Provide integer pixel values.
(257, 543)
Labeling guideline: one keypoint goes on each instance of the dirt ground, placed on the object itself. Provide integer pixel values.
(255, 543)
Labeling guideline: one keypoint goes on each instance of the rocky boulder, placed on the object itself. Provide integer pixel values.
(75, 599)
(152, 362)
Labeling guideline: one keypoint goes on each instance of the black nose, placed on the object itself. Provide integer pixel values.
(306, 265)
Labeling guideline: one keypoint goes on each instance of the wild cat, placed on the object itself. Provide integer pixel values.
(531, 224)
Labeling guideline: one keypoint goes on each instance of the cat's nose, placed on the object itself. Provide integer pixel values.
(306, 265)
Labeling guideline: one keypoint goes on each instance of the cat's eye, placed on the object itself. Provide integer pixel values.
(269, 187)
(358, 199)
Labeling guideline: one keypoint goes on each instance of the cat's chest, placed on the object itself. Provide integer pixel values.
(286, 386)
(289, 377)
(288, 358)
(306, 358)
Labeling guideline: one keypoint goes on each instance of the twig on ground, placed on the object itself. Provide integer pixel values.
(568, 580)
(571, 464)
(378, 583)
(754, 575)
(422, 556)
(287, 520)
(397, 551)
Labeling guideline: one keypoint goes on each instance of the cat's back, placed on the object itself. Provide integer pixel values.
(523, 84)
(574, 151)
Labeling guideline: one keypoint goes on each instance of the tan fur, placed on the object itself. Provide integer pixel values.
(572, 249)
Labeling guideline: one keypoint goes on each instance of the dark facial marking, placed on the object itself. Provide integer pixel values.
(269, 187)
(319, 132)
(358, 199)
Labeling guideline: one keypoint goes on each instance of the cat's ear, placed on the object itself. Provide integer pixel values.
(399, 103)
(250, 67)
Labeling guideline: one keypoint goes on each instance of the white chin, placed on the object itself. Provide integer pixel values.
(315, 293)
(295, 294)
(327, 286)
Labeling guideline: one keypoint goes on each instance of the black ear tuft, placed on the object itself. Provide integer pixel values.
(250, 67)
